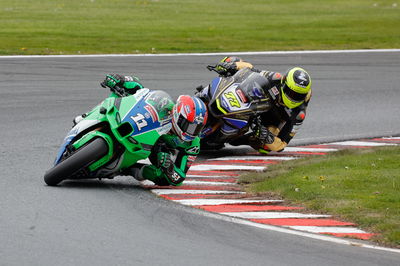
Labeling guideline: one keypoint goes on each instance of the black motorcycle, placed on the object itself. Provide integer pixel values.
(234, 104)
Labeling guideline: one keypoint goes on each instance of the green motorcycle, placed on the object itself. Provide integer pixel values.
(113, 136)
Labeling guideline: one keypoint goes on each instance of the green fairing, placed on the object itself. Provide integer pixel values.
(91, 135)
(108, 113)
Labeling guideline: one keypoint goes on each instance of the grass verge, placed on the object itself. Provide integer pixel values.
(174, 26)
(360, 186)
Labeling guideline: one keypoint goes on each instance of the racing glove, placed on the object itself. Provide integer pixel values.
(229, 65)
(130, 84)
(262, 133)
(166, 165)
(226, 68)
(164, 160)
(112, 80)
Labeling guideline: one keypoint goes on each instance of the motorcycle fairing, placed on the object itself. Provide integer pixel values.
(78, 128)
(142, 118)
(237, 123)
(148, 116)
(228, 129)
(214, 86)
(231, 101)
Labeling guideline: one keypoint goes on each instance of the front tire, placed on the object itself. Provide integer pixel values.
(80, 159)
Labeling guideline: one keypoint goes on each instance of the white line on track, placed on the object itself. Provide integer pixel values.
(272, 215)
(264, 158)
(360, 143)
(195, 202)
(193, 191)
(301, 149)
(195, 183)
(210, 54)
(210, 176)
(204, 167)
(394, 138)
(208, 183)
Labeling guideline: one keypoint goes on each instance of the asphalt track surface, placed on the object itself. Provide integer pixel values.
(116, 222)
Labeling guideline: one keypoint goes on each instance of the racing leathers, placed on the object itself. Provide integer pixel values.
(273, 129)
(177, 157)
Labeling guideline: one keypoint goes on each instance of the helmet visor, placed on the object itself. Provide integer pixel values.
(292, 95)
(191, 129)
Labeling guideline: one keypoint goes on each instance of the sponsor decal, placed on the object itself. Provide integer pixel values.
(194, 149)
(151, 112)
(164, 129)
(301, 78)
(257, 92)
(165, 121)
(275, 91)
(175, 177)
(241, 95)
(141, 93)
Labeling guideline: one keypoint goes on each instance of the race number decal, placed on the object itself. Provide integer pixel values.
(140, 121)
(233, 101)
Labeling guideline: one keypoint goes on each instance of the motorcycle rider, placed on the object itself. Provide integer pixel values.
(173, 153)
(273, 130)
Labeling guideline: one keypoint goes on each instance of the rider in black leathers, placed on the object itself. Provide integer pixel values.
(274, 129)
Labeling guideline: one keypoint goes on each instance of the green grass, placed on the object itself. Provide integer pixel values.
(171, 26)
(361, 186)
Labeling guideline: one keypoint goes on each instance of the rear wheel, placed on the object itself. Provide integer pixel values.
(77, 161)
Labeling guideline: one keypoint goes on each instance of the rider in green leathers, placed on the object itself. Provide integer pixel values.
(173, 153)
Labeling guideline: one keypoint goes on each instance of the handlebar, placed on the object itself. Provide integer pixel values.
(117, 90)
(212, 68)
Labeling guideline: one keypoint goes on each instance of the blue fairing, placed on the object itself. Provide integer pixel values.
(143, 117)
(236, 122)
(214, 85)
(71, 135)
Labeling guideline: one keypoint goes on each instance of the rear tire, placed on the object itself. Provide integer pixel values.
(80, 159)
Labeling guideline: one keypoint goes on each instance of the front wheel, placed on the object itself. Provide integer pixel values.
(79, 160)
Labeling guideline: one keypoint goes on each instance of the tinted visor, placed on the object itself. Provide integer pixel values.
(292, 95)
(192, 129)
